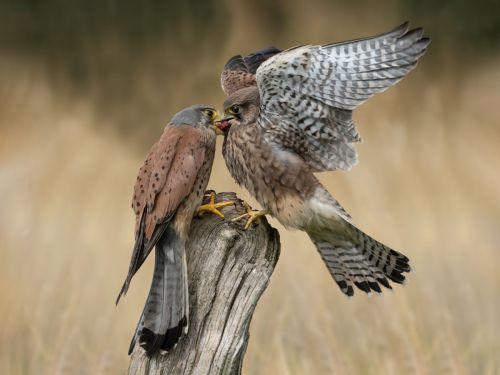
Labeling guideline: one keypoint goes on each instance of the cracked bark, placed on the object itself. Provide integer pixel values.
(228, 269)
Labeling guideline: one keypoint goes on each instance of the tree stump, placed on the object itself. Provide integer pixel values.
(228, 270)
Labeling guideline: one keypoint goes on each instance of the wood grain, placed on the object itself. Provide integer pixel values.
(228, 269)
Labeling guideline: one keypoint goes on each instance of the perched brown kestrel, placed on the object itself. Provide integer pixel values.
(167, 193)
(288, 115)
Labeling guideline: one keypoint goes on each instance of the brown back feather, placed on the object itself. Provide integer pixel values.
(167, 176)
(239, 72)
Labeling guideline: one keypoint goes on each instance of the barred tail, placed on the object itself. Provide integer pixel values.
(354, 258)
(165, 315)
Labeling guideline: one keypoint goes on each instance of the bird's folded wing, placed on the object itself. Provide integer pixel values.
(168, 175)
(308, 92)
(164, 181)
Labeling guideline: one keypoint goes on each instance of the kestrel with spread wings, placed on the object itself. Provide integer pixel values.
(168, 191)
(288, 115)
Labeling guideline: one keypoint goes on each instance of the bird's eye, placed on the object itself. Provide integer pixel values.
(211, 114)
(234, 109)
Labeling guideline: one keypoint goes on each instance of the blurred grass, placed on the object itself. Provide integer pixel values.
(427, 184)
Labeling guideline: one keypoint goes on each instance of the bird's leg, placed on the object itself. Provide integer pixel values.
(213, 207)
(251, 215)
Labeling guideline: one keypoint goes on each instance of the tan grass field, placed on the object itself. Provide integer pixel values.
(428, 184)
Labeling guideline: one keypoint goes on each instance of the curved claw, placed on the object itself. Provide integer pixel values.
(212, 207)
(251, 215)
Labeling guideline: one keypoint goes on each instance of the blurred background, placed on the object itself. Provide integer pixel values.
(86, 88)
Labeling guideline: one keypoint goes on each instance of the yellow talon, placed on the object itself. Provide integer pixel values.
(252, 215)
(213, 207)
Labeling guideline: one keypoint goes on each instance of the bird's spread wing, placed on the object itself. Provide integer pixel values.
(308, 93)
(239, 72)
(164, 181)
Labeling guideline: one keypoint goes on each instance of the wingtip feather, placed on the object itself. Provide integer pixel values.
(414, 33)
(123, 291)
(235, 63)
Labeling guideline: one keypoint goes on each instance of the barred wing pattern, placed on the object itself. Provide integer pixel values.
(308, 93)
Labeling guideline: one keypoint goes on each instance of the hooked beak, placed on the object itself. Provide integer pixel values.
(223, 125)
(216, 120)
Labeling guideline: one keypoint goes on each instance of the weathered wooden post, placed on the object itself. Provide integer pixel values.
(229, 269)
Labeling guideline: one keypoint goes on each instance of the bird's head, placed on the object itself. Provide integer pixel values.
(241, 108)
(199, 116)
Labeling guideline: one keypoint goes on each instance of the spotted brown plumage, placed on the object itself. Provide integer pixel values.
(296, 120)
(168, 190)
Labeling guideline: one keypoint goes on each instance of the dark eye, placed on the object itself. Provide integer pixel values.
(211, 114)
(234, 109)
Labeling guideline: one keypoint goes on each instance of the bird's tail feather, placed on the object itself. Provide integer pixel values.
(354, 258)
(165, 315)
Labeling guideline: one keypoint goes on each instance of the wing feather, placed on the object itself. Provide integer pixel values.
(308, 93)
(174, 173)
(239, 71)
(164, 181)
